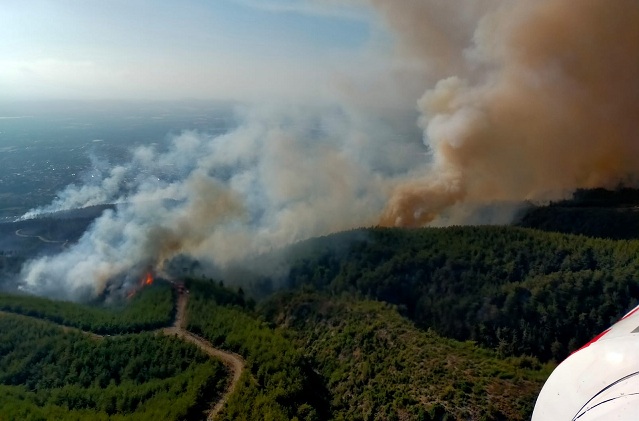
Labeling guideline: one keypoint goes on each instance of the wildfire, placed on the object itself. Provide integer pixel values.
(146, 280)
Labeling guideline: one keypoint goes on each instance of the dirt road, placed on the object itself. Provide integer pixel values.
(234, 362)
(41, 238)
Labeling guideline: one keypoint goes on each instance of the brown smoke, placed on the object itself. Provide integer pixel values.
(542, 101)
(191, 225)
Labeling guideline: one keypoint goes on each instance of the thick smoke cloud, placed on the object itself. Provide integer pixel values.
(280, 176)
(540, 100)
(518, 100)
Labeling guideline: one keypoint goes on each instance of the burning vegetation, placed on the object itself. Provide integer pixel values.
(145, 281)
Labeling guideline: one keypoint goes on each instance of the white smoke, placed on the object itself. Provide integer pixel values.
(280, 177)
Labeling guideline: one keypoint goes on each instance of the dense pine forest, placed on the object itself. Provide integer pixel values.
(51, 373)
(150, 309)
(378, 365)
(280, 383)
(518, 291)
(595, 213)
(308, 357)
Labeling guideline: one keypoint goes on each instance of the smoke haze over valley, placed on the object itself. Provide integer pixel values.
(447, 113)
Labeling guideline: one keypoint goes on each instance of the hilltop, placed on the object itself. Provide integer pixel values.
(596, 213)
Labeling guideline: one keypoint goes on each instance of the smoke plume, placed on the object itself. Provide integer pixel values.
(537, 100)
(281, 176)
(520, 100)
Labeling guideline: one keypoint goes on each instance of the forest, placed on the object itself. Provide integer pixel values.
(150, 309)
(517, 291)
(595, 213)
(316, 357)
(47, 373)
(377, 365)
(308, 357)
(280, 383)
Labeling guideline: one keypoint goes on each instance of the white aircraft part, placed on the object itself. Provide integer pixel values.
(598, 382)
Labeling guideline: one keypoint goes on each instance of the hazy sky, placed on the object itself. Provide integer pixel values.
(157, 49)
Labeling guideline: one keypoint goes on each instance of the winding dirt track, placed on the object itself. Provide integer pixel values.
(234, 362)
(39, 237)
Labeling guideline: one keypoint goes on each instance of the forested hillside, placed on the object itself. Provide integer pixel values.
(51, 372)
(323, 358)
(377, 365)
(308, 357)
(280, 383)
(152, 308)
(622, 223)
(596, 213)
(372, 324)
(518, 291)
(47, 373)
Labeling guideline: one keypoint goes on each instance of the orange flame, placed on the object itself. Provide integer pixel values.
(148, 280)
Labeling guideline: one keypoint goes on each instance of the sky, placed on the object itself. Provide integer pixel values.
(191, 49)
